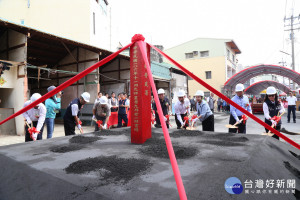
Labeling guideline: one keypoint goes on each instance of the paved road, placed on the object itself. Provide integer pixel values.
(221, 119)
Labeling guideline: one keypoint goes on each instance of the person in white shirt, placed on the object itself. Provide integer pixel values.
(272, 107)
(35, 117)
(291, 107)
(180, 110)
(187, 103)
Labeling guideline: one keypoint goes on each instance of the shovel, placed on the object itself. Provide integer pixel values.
(234, 125)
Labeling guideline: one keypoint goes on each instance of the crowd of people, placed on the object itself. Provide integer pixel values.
(187, 110)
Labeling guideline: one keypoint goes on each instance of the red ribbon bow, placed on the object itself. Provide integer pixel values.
(137, 37)
(99, 122)
(80, 122)
(186, 120)
(244, 118)
(194, 117)
(276, 118)
(32, 131)
(168, 117)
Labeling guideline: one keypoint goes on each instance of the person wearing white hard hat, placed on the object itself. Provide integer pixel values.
(101, 111)
(272, 107)
(235, 114)
(71, 117)
(35, 117)
(204, 113)
(53, 105)
(165, 106)
(180, 110)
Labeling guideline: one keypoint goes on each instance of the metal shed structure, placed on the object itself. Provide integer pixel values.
(257, 87)
(257, 70)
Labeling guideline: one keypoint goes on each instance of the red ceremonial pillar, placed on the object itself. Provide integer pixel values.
(140, 95)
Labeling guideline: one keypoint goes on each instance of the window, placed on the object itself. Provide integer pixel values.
(189, 55)
(195, 53)
(208, 74)
(204, 53)
(233, 58)
(228, 53)
(94, 24)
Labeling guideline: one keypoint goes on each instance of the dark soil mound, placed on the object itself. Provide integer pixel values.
(222, 143)
(292, 169)
(112, 168)
(79, 139)
(294, 154)
(157, 148)
(112, 132)
(66, 148)
(184, 132)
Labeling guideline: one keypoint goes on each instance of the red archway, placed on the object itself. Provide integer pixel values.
(257, 87)
(250, 72)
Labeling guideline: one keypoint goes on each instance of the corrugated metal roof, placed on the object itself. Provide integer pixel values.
(161, 70)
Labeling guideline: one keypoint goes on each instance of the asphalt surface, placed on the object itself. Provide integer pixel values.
(107, 166)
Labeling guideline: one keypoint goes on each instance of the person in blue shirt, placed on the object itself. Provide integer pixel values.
(235, 114)
(204, 113)
(53, 105)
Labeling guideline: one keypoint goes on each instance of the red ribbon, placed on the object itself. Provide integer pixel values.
(177, 176)
(80, 122)
(213, 90)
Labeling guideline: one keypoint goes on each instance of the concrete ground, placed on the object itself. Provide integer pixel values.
(221, 119)
(106, 165)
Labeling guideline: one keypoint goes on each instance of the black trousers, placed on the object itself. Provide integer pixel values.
(209, 124)
(120, 118)
(278, 127)
(178, 122)
(99, 118)
(27, 134)
(158, 124)
(69, 127)
(293, 110)
(241, 127)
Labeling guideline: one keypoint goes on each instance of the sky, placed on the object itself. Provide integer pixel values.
(256, 26)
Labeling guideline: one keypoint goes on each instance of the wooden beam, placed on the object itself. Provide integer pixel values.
(69, 51)
(45, 46)
(116, 71)
(13, 48)
(74, 63)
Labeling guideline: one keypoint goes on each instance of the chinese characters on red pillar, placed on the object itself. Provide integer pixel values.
(140, 90)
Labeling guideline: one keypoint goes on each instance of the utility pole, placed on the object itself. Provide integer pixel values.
(292, 38)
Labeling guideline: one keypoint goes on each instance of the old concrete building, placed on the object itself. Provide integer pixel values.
(40, 60)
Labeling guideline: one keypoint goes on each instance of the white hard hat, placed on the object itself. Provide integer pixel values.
(239, 87)
(86, 96)
(199, 93)
(34, 97)
(271, 90)
(103, 100)
(180, 93)
(160, 91)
